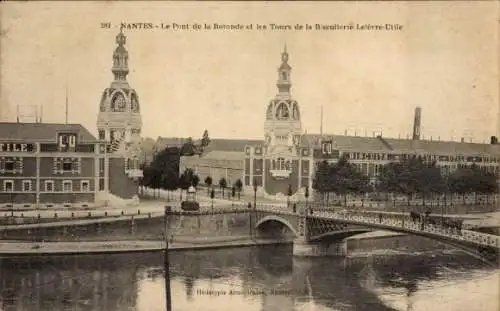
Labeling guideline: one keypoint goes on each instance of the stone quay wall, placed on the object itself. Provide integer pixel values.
(181, 228)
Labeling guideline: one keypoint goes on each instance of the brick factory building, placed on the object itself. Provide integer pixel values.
(46, 165)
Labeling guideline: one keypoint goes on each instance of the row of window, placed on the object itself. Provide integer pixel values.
(61, 165)
(281, 164)
(374, 169)
(426, 157)
(48, 186)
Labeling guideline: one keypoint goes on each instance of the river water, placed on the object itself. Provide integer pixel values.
(251, 279)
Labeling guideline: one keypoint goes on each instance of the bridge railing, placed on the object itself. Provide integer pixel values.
(394, 221)
(407, 224)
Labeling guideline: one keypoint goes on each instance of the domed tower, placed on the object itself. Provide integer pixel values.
(282, 126)
(119, 118)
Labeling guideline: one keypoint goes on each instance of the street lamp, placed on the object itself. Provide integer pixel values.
(168, 293)
(212, 195)
(255, 193)
(307, 195)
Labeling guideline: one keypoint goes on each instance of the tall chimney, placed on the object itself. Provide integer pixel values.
(416, 124)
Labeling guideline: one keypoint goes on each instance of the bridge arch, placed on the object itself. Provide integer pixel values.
(278, 219)
(480, 253)
(341, 234)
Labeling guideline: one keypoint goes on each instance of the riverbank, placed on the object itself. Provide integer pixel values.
(16, 249)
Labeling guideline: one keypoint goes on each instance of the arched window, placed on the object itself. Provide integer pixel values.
(282, 112)
(118, 104)
(283, 75)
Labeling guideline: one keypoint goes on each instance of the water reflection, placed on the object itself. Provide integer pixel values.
(248, 279)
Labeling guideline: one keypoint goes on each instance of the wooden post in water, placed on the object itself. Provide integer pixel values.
(168, 294)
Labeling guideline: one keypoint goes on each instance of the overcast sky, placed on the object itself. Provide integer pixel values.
(445, 59)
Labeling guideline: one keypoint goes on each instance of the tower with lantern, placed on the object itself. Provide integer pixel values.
(119, 120)
(275, 166)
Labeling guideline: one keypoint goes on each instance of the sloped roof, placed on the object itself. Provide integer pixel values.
(444, 147)
(224, 155)
(234, 148)
(216, 144)
(393, 145)
(346, 142)
(237, 145)
(172, 141)
(41, 132)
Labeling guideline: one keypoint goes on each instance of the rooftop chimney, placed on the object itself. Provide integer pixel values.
(416, 124)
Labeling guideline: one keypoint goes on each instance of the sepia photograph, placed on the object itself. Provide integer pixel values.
(249, 155)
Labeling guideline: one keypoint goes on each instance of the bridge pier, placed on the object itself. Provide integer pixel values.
(304, 248)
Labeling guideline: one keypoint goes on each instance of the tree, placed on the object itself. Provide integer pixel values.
(320, 180)
(205, 140)
(341, 178)
(429, 181)
(223, 185)
(212, 196)
(208, 182)
(165, 162)
(483, 181)
(345, 178)
(195, 180)
(239, 186)
(233, 193)
(460, 181)
(170, 182)
(389, 178)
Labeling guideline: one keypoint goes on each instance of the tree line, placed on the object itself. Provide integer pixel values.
(163, 171)
(411, 177)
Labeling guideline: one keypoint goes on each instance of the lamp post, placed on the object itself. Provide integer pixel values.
(168, 293)
(212, 195)
(255, 193)
(307, 195)
(233, 193)
(288, 195)
(250, 218)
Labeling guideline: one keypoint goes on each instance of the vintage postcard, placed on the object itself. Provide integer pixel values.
(249, 155)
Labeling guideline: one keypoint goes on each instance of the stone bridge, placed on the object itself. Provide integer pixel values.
(319, 233)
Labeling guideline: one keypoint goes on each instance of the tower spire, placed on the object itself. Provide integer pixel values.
(284, 70)
(120, 58)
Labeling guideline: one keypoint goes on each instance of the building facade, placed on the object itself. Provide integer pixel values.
(46, 165)
(55, 165)
(287, 157)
